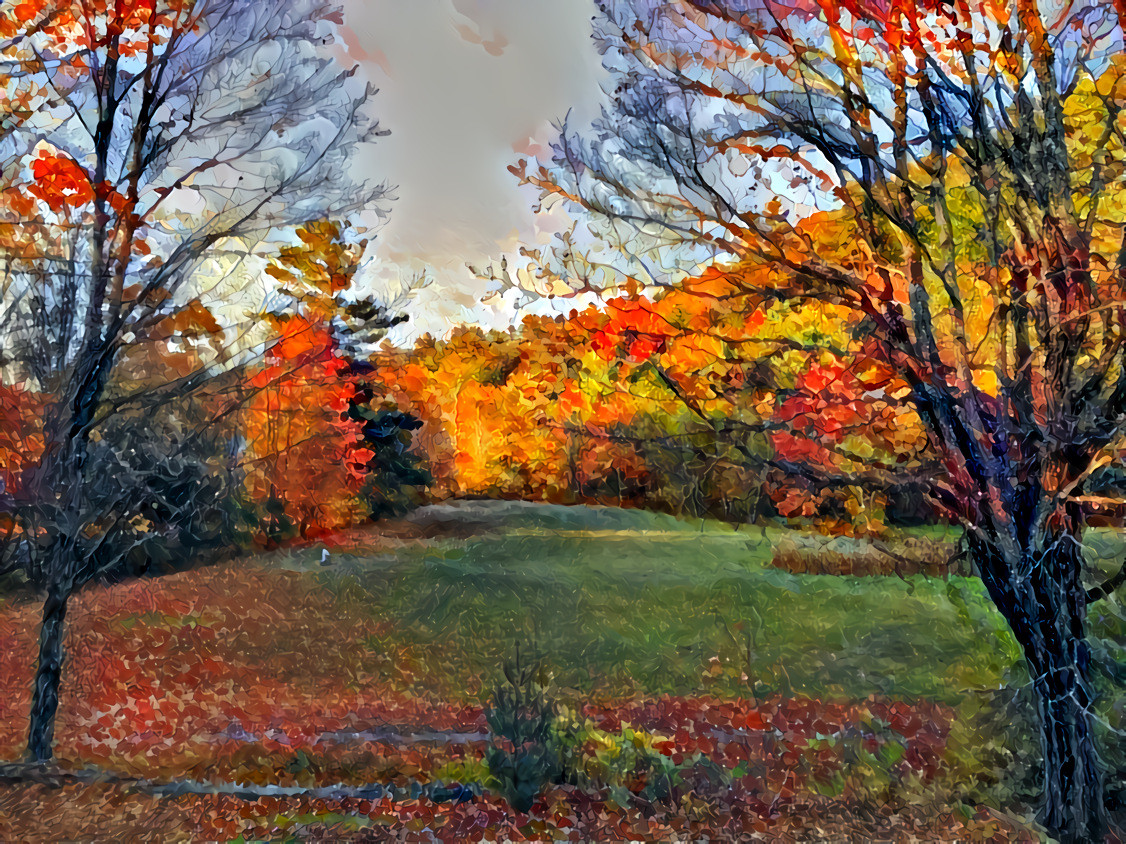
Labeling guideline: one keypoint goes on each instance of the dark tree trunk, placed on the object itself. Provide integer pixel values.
(1073, 782)
(48, 674)
(1046, 608)
(64, 572)
(1059, 655)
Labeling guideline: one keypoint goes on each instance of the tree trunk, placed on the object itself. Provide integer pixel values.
(1047, 611)
(1059, 655)
(48, 674)
(1074, 797)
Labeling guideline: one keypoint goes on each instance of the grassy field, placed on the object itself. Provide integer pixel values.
(617, 602)
(840, 706)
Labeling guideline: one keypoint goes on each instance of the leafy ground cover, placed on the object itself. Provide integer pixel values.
(814, 706)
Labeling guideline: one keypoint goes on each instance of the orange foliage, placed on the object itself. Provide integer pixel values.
(305, 455)
(21, 436)
(302, 450)
(567, 409)
(128, 27)
(60, 182)
(322, 265)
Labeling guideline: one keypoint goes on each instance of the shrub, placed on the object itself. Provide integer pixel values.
(629, 763)
(993, 751)
(537, 743)
(902, 558)
(524, 755)
(862, 762)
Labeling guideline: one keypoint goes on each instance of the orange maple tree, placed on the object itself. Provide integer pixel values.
(304, 458)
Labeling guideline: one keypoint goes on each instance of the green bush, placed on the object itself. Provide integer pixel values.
(524, 756)
(537, 743)
(863, 763)
(993, 749)
(628, 764)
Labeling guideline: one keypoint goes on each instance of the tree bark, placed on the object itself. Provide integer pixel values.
(1074, 796)
(1046, 608)
(1074, 789)
(48, 675)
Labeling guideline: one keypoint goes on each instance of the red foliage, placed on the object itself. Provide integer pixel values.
(60, 182)
(21, 436)
(302, 448)
(633, 328)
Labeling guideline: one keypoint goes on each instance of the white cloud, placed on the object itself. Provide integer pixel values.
(459, 108)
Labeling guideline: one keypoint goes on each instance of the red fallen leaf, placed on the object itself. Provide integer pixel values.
(754, 721)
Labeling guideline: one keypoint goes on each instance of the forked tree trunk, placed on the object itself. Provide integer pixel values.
(1047, 610)
(48, 676)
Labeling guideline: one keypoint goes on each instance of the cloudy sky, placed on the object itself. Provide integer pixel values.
(466, 86)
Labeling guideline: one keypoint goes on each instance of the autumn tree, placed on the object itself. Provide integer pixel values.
(306, 456)
(160, 147)
(605, 405)
(394, 475)
(952, 175)
(299, 438)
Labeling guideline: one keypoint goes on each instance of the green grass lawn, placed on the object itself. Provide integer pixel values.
(617, 602)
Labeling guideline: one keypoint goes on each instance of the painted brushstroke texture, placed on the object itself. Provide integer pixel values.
(774, 493)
